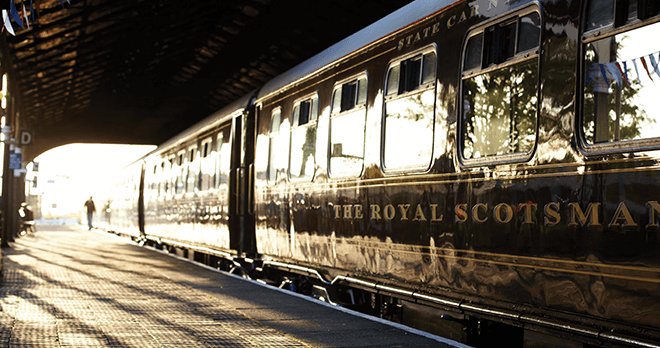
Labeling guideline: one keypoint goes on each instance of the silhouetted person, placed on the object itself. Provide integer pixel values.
(108, 212)
(89, 205)
(27, 219)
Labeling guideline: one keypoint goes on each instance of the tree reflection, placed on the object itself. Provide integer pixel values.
(303, 166)
(500, 111)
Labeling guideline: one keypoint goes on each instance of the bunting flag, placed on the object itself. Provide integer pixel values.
(646, 67)
(654, 63)
(604, 74)
(14, 14)
(636, 70)
(27, 20)
(7, 21)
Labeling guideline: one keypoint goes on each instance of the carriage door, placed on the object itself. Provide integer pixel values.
(248, 239)
(241, 220)
(235, 174)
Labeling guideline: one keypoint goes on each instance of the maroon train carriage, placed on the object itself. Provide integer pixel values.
(485, 170)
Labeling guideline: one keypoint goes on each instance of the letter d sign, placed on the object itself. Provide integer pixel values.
(26, 137)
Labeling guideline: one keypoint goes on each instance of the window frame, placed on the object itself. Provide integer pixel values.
(192, 158)
(162, 176)
(612, 29)
(294, 127)
(482, 68)
(606, 31)
(180, 161)
(170, 189)
(273, 136)
(205, 157)
(220, 161)
(206, 144)
(421, 88)
(356, 107)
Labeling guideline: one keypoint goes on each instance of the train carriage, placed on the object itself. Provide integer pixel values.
(486, 170)
(501, 154)
(126, 215)
(193, 188)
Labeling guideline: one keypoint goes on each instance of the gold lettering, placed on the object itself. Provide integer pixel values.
(654, 207)
(358, 211)
(409, 40)
(589, 219)
(628, 219)
(337, 211)
(461, 213)
(492, 3)
(436, 28)
(434, 213)
(497, 213)
(426, 32)
(475, 212)
(404, 211)
(348, 212)
(551, 211)
(451, 21)
(389, 212)
(527, 210)
(417, 37)
(419, 214)
(375, 212)
(400, 46)
(463, 17)
(475, 11)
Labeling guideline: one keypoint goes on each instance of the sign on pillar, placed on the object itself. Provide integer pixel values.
(26, 137)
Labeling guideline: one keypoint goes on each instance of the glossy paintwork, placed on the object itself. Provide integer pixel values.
(564, 230)
(125, 201)
(600, 271)
(204, 211)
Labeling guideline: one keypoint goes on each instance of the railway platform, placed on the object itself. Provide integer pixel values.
(65, 286)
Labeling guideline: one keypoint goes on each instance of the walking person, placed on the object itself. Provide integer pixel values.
(89, 205)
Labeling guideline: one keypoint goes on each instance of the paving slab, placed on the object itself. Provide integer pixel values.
(65, 286)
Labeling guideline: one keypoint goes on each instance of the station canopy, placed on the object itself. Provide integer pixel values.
(140, 71)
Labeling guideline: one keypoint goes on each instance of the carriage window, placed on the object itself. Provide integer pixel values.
(191, 173)
(500, 94)
(609, 14)
(218, 160)
(206, 166)
(277, 147)
(473, 52)
(223, 159)
(349, 95)
(179, 184)
(303, 139)
(206, 146)
(171, 177)
(162, 180)
(347, 122)
(409, 112)
(622, 73)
